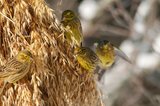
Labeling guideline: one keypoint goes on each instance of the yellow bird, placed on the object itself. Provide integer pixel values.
(86, 58)
(16, 68)
(73, 28)
(107, 53)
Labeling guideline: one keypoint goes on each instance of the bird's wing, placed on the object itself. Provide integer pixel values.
(122, 55)
(12, 67)
(19, 75)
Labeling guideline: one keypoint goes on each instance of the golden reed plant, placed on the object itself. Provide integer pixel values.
(55, 78)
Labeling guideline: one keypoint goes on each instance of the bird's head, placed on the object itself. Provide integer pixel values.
(24, 56)
(68, 15)
(103, 44)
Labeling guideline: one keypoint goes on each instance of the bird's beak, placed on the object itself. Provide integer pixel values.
(122, 55)
(63, 19)
(33, 59)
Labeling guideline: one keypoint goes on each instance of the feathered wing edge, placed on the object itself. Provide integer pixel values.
(122, 55)
(14, 75)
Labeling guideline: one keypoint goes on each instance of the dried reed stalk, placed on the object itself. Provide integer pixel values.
(55, 78)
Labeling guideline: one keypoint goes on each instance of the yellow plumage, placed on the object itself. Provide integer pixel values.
(16, 68)
(107, 54)
(72, 26)
(87, 58)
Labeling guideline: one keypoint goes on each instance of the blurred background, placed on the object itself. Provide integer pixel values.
(133, 26)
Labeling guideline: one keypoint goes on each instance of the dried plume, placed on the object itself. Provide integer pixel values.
(55, 78)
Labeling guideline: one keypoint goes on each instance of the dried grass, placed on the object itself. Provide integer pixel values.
(55, 78)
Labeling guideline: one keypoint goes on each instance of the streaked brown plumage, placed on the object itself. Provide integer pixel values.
(16, 68)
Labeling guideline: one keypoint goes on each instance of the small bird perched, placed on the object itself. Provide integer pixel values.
(72, 26)
(86, 58)
(16, 68)
(107, 53)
